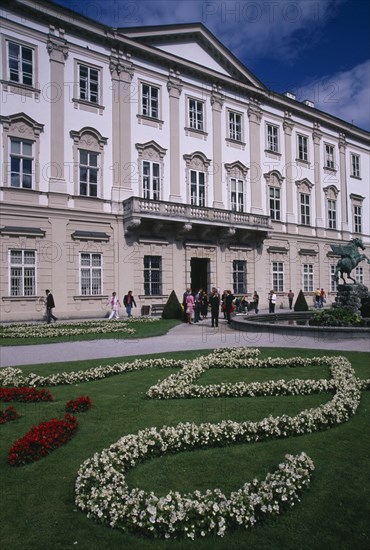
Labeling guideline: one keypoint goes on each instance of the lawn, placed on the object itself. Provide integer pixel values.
(37, 504)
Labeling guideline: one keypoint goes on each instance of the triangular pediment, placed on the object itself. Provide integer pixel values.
(193, 43)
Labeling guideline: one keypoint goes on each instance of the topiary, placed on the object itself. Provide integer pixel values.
(172, 309)
(301, 303)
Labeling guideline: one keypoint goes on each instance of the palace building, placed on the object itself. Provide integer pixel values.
(152, 159)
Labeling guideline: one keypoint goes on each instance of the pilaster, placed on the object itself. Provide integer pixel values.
(316, 138)
(174, 87)
(217, 101)
(255, 117)
(342, 146)
(288, 126)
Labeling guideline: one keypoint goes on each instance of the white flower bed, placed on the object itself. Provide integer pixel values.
(71, 328)
(102, 490)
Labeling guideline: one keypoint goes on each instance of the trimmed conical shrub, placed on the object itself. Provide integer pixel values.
(172, 309)
(300, 303)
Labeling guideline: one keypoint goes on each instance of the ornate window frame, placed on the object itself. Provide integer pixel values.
(23, 127)
(331, 194)
(150, 151)
(238, 171)
(85, 104)
(304, 187)
(18, 87)
(88, 139)
(275, 180)
(198, 162)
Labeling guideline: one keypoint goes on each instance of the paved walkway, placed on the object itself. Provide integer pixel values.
(181, 338)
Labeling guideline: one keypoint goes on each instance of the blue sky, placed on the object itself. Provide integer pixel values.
(319, 49)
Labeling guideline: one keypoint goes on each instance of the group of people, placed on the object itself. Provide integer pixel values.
(320, 298)
(128, 302)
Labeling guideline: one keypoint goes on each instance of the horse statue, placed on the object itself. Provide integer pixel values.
(350, 258)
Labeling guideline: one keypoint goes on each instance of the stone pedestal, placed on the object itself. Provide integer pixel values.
(350, 296)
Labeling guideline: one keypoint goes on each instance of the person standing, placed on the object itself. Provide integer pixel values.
(198, 305)
(204, 308)
(322, 297)
(290, 298)
(185, 295)
(189, 307)
(50, 304)
(129, 302)
(317, 298)
(272, 301)
(114, 304)
(256, 301)
(214, 301)
(229, 305)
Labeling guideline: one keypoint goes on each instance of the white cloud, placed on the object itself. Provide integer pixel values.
(344, 94)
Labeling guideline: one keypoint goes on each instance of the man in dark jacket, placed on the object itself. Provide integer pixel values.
(214, 301)
(229, 305)
(49, 306)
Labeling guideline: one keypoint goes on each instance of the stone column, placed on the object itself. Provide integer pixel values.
(122, 71)
(319, 206)
(288, 126)
(255, 117)
(342, 145)
(217, 101)
(58, 52)
(174, 87)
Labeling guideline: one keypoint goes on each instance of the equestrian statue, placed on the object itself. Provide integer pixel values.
(349, 258)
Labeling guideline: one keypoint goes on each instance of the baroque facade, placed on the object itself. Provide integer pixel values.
(151, 159)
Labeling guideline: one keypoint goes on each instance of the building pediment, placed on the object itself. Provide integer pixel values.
(195, 43)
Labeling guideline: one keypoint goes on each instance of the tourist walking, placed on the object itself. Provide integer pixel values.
(214, 302)
(317, 298)
(50, 304)
(322, 297)
(114, 304)
(290, 298)
(129, 303)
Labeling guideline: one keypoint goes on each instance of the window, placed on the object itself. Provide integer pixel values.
(149, 101)
(237, 195)
(359, 275)
(22, 272)
(91, 274)
(302, 147)
(152, 275)
(89, 84)
(275, 211)
(272, 138)
(305, 208)
(332, 214)
(151, 181)
(278, 276)
(307, 277)
(329, 156)
(20, 63)
(235, 126)
(355, 166)
(88, 174)
(240, 276)
(21, 163)
(197, 188)
(333, 282)
(357, 218)
(196, 114)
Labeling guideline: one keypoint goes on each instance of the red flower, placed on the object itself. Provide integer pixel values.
(42, 439)
(81, 404)
(9, 414)
(24, 394)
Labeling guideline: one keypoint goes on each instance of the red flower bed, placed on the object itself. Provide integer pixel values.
(42, 439)
(81, 404)
(9, 414)
(25, 394)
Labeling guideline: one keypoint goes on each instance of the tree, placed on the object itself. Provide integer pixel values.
(172, 309)
(300, 303)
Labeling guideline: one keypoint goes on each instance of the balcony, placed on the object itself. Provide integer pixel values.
(161, 218)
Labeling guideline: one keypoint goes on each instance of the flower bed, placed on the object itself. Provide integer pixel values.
(102, 490)
(81, 404)
(26, 395)
(9, 414)
(42, 440)
(70, 328)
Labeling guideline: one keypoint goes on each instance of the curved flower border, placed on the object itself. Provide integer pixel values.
(70, 328)
(102, 490)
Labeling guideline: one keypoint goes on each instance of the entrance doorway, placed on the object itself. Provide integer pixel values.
(199, 274)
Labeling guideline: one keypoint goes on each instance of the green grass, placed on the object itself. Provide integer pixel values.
(143, 330)
(37, 504)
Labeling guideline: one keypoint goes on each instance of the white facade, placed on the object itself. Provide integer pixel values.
(151, 159)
